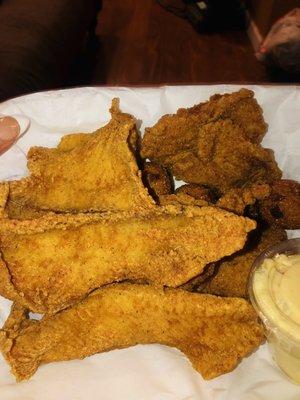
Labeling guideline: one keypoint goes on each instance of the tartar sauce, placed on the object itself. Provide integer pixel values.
(276, 290)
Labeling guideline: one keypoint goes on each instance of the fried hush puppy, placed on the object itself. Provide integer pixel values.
(282, 207)
(214, 333)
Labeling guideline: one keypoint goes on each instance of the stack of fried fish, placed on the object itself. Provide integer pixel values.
(98, 241)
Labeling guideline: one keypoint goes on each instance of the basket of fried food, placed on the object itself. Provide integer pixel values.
(102, 241)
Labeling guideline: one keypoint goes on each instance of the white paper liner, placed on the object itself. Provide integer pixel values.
(151, 372)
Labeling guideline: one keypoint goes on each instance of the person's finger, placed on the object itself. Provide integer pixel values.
(9, 131)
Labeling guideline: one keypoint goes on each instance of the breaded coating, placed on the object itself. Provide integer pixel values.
(236, 200)
(198, 283)
(182, 199)
(242, 109)
(158, 180)
(206, 145)
(69, 142)
(54, 261)
(20, 211)
(198, 192)
(214, 333)
(4, 190)
(223, 159)
(282, 207)
(232, 273)
(180, 130)
(91, 172)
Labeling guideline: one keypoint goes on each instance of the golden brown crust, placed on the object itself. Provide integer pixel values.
(282, 207)
(4, 191)
(157, 179)
(86, 173)
(222, 161)
(173, 132)
(214, 333)
(199, 282)
(236, 200)
(232, 273)
(240, 107)
(199, 192)
(209, 145)
(181, 199)
(45, 257)
(15, 210)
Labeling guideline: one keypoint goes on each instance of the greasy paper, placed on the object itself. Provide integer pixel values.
(148, 372)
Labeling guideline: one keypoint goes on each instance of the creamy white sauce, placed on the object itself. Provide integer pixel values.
(276, 289)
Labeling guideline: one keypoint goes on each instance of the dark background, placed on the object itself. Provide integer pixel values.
(143, 44)
(53, 44)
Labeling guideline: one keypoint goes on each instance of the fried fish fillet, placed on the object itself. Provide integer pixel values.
(54, 261)
(88, 172)
(220, 157)
(177, 131)
(214, 144)
(233, 272)
(214, 333)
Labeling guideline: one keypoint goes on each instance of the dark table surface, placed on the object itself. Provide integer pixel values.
(143, 44)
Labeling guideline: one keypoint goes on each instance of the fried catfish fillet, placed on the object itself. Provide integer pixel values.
(177, 131)
(233, 272)
(214, 144)
(88, 172)
(220, 157)
(214, 333)
(53, 261)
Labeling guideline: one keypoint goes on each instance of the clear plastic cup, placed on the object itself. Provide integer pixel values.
(282, 330)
